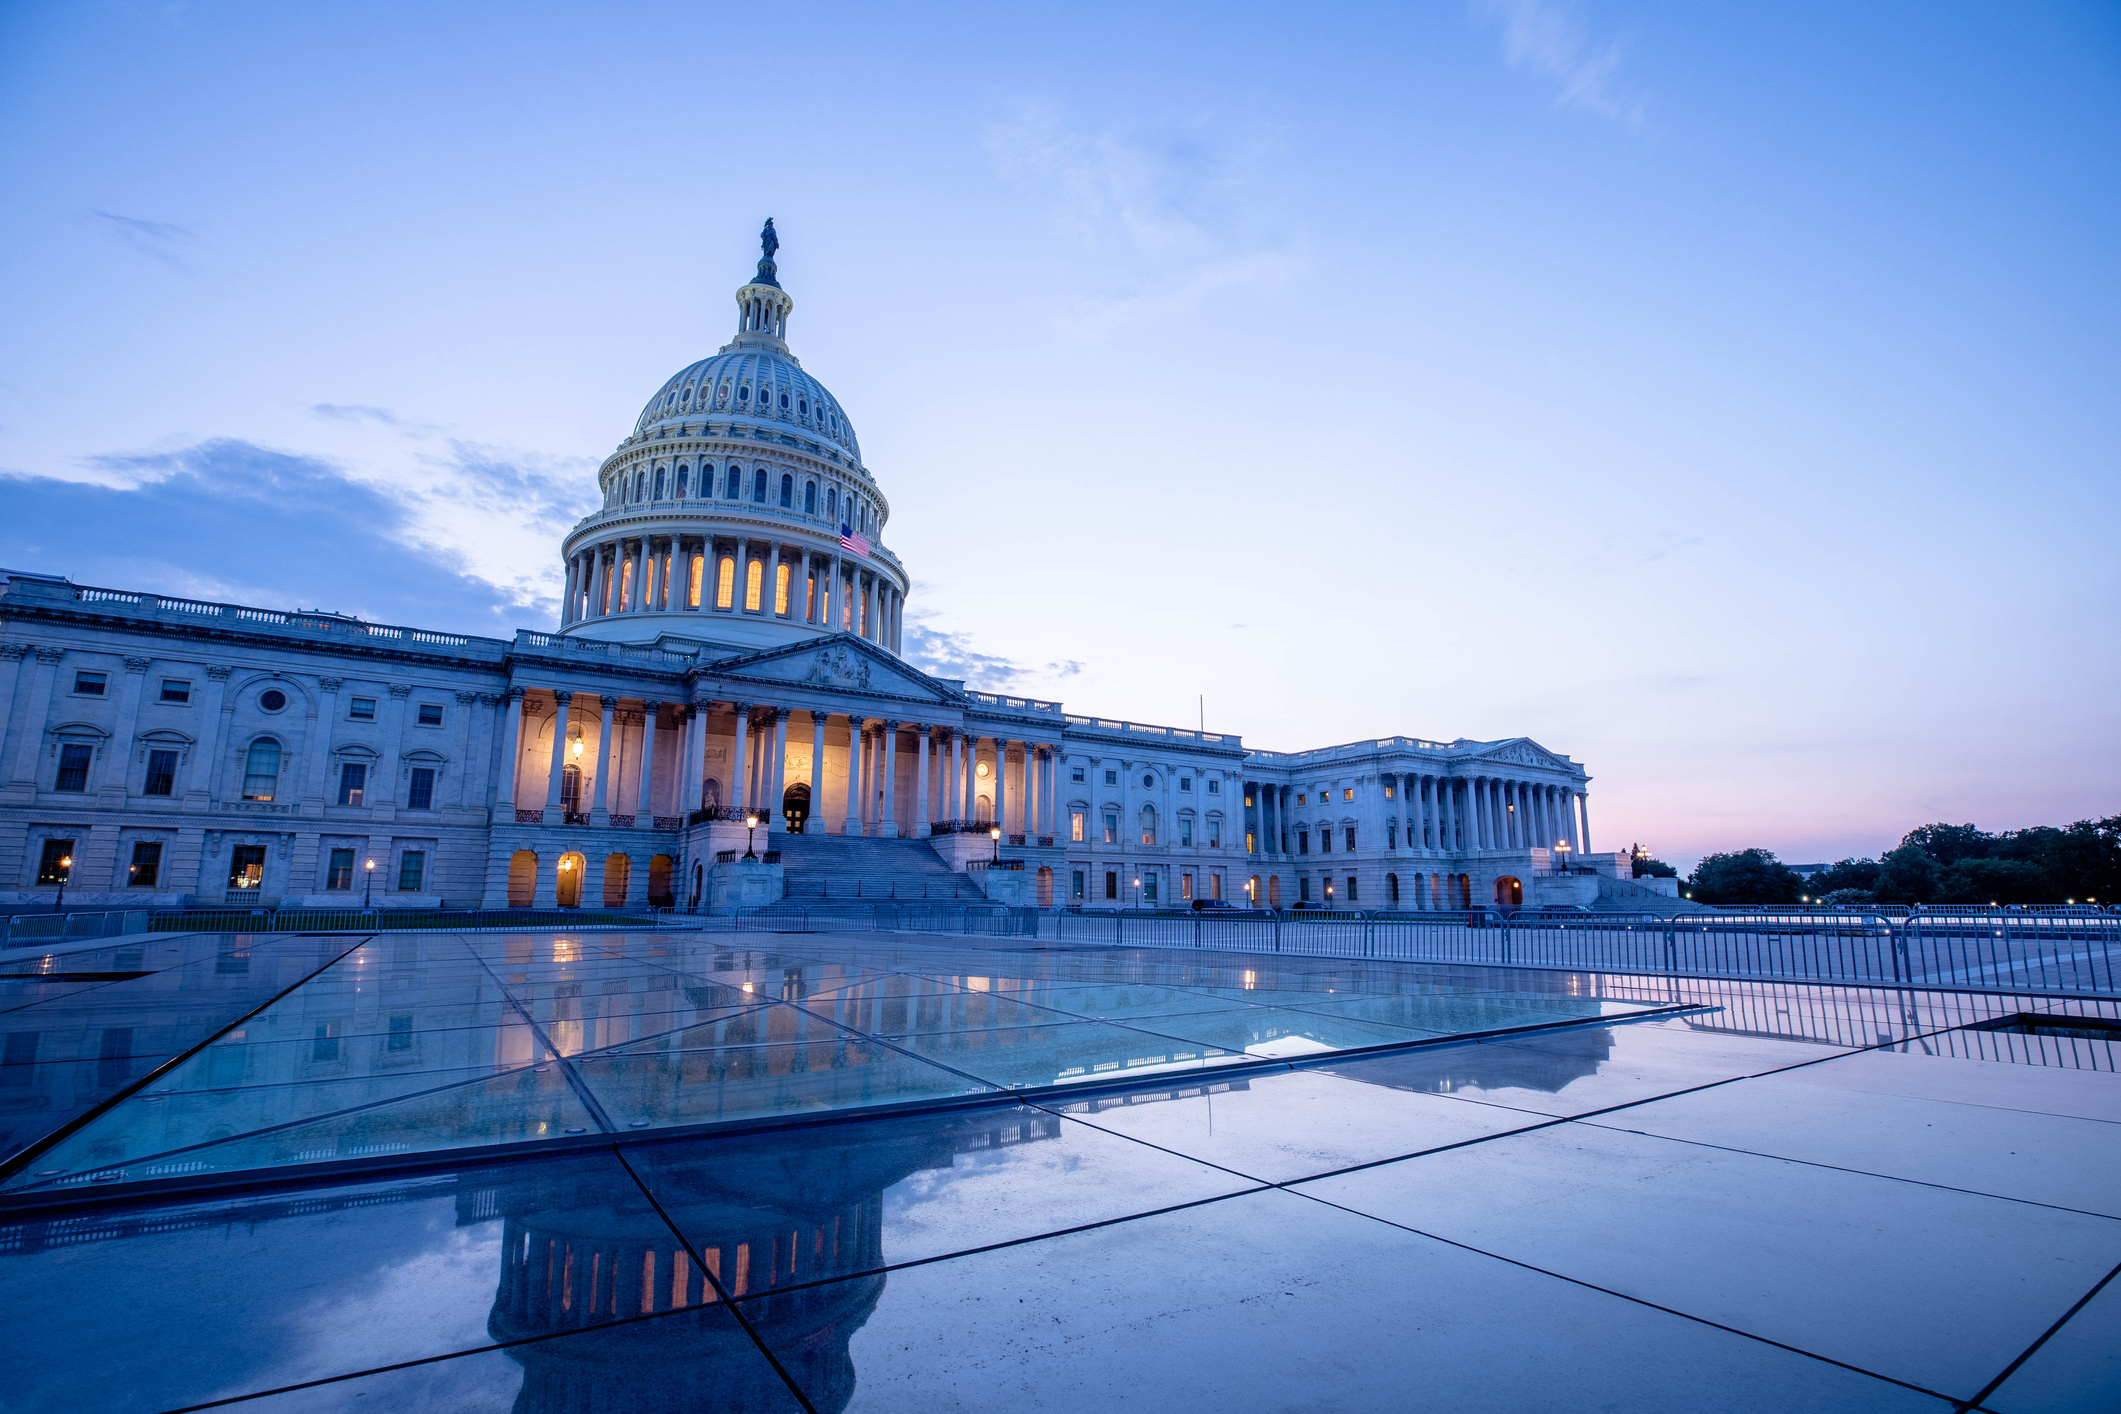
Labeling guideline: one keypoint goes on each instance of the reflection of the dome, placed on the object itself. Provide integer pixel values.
(1547, 1065)
(780, 1221)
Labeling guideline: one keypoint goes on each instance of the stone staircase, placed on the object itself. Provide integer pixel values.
(854, 869)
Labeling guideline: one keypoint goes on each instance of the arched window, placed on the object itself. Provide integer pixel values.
(784, 400)
(802, 407)
(810, 498)
(724, 583)
(735, 483)
(787, 491)
(743, 393)
(832, 502)
(1148, 824)
(780, 587)
(758, 486)
(682, 478)
(692, 591)
(659, 483)
(754, 579)
(261, 769)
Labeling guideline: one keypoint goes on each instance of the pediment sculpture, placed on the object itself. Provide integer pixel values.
(838, 667)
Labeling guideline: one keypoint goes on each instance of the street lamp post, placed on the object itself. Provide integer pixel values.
(1561, 852)
(995, 834)
(751, 825)
(66, 872)
(368, 890)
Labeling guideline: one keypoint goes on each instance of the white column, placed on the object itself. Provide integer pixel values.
(740, 759)
(600, 808)
(817, 773)
(644, 798)
(1583, 804)
(777, 775)
(553, 804)
(922, 820)
(511, 712)
(889, 765)
(695, 759)
(852, 823)
(574, 570)
(1001, 784)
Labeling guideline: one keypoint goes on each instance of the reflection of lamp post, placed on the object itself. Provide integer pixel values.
(995, 833)
(368, 891)
(751, 824)
(66, 871)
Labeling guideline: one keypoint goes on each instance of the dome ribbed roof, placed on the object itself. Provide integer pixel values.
(731, 384)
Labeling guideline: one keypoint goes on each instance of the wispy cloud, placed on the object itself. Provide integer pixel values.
(1550, 38)
(948, 654)
(230, 520)
(1182, 208)
(356, 412)
(159, 240)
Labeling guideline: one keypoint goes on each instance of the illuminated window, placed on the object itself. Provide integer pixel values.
(1076, 826)
(353, 782)
(1347, 793)
(1148, 824)
(692, 590)
(725, 583)
(1185, 886)
(754, 582)
(780, 589)
(1215, 837)
(1111, 827)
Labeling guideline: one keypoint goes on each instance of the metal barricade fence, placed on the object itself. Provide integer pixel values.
(2035, 952)
(22, 930)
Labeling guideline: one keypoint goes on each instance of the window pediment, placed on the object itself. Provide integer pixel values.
(81, 731)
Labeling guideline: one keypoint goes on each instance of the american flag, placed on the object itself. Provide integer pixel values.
(859, 544)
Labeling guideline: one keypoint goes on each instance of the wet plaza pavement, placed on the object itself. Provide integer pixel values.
(549, 1172)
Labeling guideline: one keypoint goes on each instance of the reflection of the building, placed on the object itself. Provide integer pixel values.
(790, 1224)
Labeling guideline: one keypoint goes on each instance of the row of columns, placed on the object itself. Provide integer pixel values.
(1453, 815)
(669, 572)
(945, 778)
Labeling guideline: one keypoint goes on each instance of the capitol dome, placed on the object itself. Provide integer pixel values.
(737, 515)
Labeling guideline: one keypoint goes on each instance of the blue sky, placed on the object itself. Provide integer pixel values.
(1723, 395)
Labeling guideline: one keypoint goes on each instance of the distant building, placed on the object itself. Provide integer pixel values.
(729, 640)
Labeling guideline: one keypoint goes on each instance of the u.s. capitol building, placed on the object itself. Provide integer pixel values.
(729, 643)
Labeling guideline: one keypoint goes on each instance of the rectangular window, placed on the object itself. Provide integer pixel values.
(1299, 798)
(1303, 890)
(1347, 793)
(1185, 830)
(1303, 841)
(1076, 883)
(353, 782)
(73, 768)
(1111, 778)
(1075, 826)
(1111, 828)
(1215, 885)
(361, 709)
(176, 690)
(340, 875)
(1185, 886)
(1148, 886)
(324, 1042)
(161, 773)
(1388, 791)
(246, 866)
(1325, 839)
(91, 684)
(147, 865)
(412, 870)
(1352, 897)
(421, 794)
(1076, 774)
(400, 1034)
(56, 863)
(1111, 883)
(430, 714)
(1215, 787)
(1215, 834)
(1185, 783)
(1351, 839)
(1391, 837)
(1251, 842)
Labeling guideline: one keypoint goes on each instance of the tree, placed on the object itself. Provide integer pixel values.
(1906, 875)
(1995, 881)
(1946, 845)
(1847, 898)
(1648, 866)
(1847, 876)
(1748, 876)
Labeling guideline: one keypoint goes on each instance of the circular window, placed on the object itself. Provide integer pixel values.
(272, 699)
(983, 770)
(1148, 780)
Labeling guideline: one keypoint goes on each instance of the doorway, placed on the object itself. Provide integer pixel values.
(568, 890)
(795, 807)
(1509, 891)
